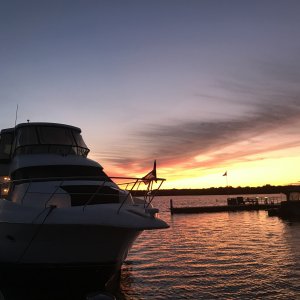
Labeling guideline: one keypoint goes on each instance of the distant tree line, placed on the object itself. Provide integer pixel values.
(266, 189)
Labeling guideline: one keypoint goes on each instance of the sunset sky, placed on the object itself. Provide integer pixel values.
(203, 86)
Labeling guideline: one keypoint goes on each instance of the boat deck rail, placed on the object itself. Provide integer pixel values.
(52, 149)
(104, 189)
(135, 184)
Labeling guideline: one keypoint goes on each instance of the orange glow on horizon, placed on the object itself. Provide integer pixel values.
(274, 169)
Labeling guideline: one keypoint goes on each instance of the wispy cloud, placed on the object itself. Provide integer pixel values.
(270, 124)
(176, 142)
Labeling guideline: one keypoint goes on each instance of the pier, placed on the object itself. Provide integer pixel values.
(233, 205)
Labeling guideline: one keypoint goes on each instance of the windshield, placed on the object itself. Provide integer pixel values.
(50, 139)
(27, 136)
(79, 140)
(56, 136)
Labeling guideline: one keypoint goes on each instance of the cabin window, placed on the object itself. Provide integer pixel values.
(60, 172)
(27, 136)
(55, 135)
(79, 140)
(91, 194)
(5, 145)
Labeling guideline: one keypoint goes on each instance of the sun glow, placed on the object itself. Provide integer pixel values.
(255, 168)
(255, 172)
(258, 173)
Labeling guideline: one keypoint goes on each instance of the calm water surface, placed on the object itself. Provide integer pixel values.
(237, 255)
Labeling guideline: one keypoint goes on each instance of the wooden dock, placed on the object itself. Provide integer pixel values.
(255, 206)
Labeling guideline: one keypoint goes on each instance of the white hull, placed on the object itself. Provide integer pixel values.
(95, 234)
(64, 244)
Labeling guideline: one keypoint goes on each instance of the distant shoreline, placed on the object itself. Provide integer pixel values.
(267, 189)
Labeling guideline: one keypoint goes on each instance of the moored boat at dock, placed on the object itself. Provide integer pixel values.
(60, 211)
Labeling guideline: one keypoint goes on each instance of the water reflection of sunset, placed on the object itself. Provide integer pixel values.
(244, 255)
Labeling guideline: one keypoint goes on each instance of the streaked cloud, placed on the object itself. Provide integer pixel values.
(269, 123)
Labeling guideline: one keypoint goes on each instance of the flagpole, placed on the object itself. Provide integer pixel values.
(227, 190)
(226, 174)
(227, 185)
(227, 179)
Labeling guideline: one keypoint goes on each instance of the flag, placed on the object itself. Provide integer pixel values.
(151, 175)
(225, 174)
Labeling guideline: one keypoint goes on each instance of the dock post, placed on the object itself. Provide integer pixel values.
(171, 206)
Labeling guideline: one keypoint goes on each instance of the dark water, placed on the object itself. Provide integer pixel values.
(237, 255)
(241, 255)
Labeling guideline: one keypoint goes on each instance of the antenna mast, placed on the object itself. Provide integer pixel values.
(16, 115)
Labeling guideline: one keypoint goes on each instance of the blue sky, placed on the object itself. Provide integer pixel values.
(188, 83)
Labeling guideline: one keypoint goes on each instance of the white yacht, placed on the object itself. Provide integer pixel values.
(59, 210)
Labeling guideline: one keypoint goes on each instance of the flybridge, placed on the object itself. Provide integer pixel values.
(37, 138)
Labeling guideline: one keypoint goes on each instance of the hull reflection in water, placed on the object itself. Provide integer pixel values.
(51, 288)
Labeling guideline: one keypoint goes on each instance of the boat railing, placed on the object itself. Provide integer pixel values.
(52, 149)
(147, 188)
(152, 186)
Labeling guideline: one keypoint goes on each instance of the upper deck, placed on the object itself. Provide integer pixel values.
(40, 138)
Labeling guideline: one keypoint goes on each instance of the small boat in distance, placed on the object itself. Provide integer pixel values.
(60, 211)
